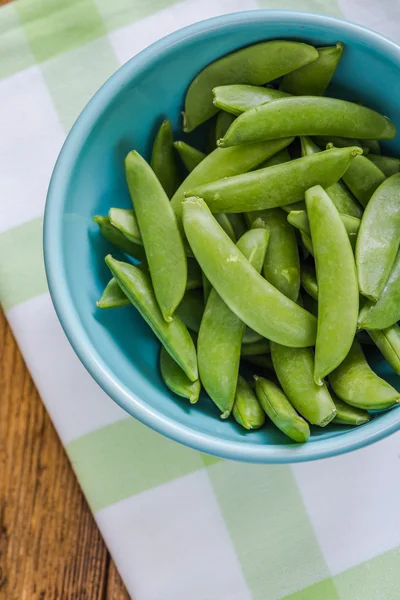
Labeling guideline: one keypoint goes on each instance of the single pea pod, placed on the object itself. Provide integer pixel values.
(191, 310)
(260, 360)
(190, 156)
(294, 368)
(275, 186)
(173, 334)
(341, 197)
(307, 115)
(255, 65)
(246, 409)
(176, 379)
(163, 159)
(124, 219)
(160, 234)
(309, 281)
(280, 411)
(388, 342)
(337, 283)
(349, 415)
(113, 296)
(387, 164)
(356, 383)
(118, 239)
(363, 177)
(379, 238)
(238, 98)
(386, 311)
(313, 79)
(255, 301)
(254, 348)
(221, 332)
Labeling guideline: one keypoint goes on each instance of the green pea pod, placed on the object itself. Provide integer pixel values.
(176, 379)
(349, 415)
(223, 122)
(238, 98)
(337, 283)
(238, 224)
(221, 332)
(260, 360)
(294, 368)
(307, 115)
(225, 163)
(275, 186)
(190, 156)
(254, 348)
(281, 265)
(124, 219)
(173, 335)
(163, 159)
(313, 79)
(268, 60)
(280, 411)
(341, 197)
(309, 281)
(247, 410)
(113, 296)
(255, 301)
(386, 311)
(278, 159)
(191, 309)
(363, 177)
(387, 164)
(118, 239)
(194, 279)
(388, 342)
(299, 219)
(160, 233)
(379, 238)
(356, 383)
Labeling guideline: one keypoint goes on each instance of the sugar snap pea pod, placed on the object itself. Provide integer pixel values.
(275, 186)
(255, 301)
(247, 410)
(118, 239)
(341, 197)
(387, 164)
(372, 146)
(379, 238)
(356, 383)
(337, 283)
(221, 332)
(386, 311)
(363, 177)
(309, 281)
(294, 368)
(260, 360)
(307, 115)
(255, 65)
(190, 156)
(191, 309)
(314, 78)
(280, 411)
(124, 219)
(160, 234)
(238, 98)
(113, 296)
(254, 348)
(176, 379)
(222, 124)
(163, 159)
(349, 415)
(388, 342)
(173, 335)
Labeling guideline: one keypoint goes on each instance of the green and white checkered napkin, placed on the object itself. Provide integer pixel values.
(180, 525)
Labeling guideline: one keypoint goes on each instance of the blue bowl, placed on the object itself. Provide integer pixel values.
(116, 346)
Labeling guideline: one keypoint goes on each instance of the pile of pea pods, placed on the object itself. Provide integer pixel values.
(265, 268)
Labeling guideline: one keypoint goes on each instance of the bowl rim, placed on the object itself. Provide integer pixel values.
(68, 317)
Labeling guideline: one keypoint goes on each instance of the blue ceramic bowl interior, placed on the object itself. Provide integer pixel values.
(116, 346)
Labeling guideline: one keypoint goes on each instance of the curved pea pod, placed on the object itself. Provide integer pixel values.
(113, 296)
(268, 61)
(118, 239)
(387, 164)
(238, 98)
(386, 311)
(160, 234)
(191, 310)
(294, 368)
(163, 159)
(309, 281)
(363, 177)
(280, 411)
(176, 379)
(341, 197)
(379, 238)
(221, 332)
(388, 342)
(275, 186)
(173, 335)
(349, 415)
(357, 384)
(260, 360)
(260, 347)
(337, 283)
(124, 219)
(313, 79)
(190, 156)
(307, 115)
(247, 410)
(255, 301)
(281, 265)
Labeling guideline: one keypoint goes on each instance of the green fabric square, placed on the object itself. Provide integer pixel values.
(52, 26)
(15, 54)
(122, 12)
(323, 590)
(209, 460)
